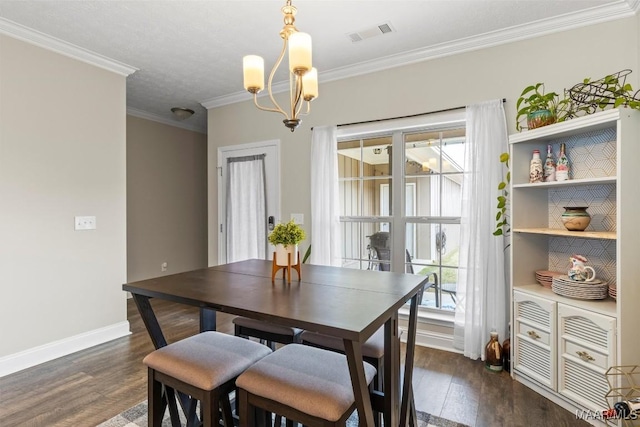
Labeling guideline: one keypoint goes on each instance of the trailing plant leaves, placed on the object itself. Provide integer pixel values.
(501, 215)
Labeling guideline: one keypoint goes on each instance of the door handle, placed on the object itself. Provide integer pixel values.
(271, 223)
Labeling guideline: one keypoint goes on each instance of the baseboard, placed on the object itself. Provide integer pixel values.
(432, 340)
(44, 353)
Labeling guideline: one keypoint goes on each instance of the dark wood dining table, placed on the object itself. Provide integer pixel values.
(347, 303)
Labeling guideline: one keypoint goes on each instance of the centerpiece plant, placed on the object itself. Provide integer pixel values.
(286, 237)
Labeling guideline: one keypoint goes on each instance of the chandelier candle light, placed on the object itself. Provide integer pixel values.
(303, 78)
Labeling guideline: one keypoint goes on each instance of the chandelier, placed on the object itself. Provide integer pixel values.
(303, 78)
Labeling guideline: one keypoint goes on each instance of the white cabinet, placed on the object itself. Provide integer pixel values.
(534, 338)
(577, 340)
(586, 349)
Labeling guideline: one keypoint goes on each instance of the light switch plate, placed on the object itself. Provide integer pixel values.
(298, 218)
(85, 223)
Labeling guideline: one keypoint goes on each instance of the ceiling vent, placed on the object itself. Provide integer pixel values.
(378, 30)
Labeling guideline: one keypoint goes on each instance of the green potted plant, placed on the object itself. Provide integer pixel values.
(539, 108)
(285, 237)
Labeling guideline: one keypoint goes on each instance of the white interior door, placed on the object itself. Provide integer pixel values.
(271, 150)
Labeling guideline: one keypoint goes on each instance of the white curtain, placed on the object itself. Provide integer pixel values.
(325, 208)
(246, 208)
(482, 286)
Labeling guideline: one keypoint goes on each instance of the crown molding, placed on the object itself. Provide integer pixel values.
(596, 15)
(20, 32)
(160, 119)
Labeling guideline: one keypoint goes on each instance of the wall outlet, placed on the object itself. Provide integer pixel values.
(164, 266)
(85, 223)
(297, 218)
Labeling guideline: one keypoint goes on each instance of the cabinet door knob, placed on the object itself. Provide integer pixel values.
(585, 356)
(533, 334)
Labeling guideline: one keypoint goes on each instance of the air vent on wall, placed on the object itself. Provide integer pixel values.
(378, 30)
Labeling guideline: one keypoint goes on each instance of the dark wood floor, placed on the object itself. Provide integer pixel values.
(91, 386)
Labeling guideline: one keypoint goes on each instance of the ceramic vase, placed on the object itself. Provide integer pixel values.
(535, 169)
(282, 252)
(576, 218)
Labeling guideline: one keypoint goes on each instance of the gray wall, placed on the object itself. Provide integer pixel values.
(166, 199)
(560, 60)
(62, 154)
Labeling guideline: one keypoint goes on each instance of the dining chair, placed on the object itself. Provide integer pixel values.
(268, 333)
(304, 384)
(204, 366)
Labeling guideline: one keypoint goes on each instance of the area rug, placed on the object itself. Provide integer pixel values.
(137, 417)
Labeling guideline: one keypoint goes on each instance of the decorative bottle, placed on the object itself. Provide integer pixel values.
(562, 165)
(506, 354)
(535, 170)
(493, 354)
(549, 166)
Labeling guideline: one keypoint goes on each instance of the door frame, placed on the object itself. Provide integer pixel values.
(224, 153)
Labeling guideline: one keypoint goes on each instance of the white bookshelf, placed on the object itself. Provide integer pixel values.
(579, 339)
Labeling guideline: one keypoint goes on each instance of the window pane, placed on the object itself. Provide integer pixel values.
(371, 197)
(422, 153)
(376, 197)
(453, 150)
(423, 243)
(364, 245)
(451, 195)
(448, 283)
(349, 156)
(432, 250)
(426, 193)
(376, 155)
(350, 200)
(450, 244)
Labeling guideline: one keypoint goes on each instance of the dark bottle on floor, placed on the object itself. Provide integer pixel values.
(493, 354)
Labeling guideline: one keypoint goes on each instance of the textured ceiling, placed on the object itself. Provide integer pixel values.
(190, 52)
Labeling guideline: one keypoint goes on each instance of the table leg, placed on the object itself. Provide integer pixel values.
(149, 319)
(143, 303)
(207, 319)
(353, 351)
(407, 409)
(391, 371)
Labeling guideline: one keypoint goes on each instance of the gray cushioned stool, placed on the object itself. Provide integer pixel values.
(372, 349)
(304, 384)
(203, 366)
(265, 331)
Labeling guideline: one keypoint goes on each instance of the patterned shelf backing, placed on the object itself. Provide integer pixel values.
(591, 155)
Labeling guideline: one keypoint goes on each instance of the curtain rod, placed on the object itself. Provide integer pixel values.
(406, 117)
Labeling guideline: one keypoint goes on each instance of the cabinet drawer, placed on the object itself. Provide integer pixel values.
(533, 332)
(585, 354)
